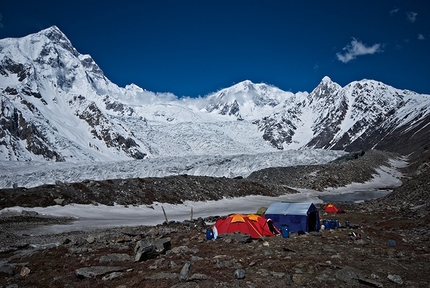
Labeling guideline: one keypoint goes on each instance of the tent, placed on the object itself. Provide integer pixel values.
(261, 211)
(330, 208)
(300, 217)
(253, 225)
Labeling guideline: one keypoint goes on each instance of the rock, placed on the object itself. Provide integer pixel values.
(123, 239)
(348, 274)
(181, 250)
(236, 237)
(91, 239)
(7, 270)
(162, 245)
(299, 279)
(185, 272)
(59, 201)
(130, 231)
(24, 271)
(370, 282)
(144, 253)
(92, 272)
(163, 275)
(112, 276)
(29, 213)
(115, 258)
(66, 241)
(277, 274)
(395, 278)
(198, 276)
(146, 249)
(172, 264)
(239, 274)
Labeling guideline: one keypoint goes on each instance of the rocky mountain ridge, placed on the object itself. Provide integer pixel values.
(57, 105)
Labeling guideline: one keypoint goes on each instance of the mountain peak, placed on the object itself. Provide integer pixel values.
(53, 33)
(326, 79)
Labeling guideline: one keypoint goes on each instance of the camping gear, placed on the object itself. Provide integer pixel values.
(298, 216)
(333, 224)
(330, 208)
(261, 211)
(253, 225)
(285, 231)
(209, 234)
(326, 224)
(347, 223)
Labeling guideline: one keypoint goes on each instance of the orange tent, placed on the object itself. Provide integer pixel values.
(330, 208)
(253, 225)
(261, 224)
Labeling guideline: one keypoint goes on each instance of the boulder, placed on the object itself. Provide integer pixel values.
(95, 271)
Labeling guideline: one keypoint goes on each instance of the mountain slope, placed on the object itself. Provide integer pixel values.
(57, 105)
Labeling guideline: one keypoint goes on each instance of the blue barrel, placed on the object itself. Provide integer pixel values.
(327, 224)
(347, 223)
(285, 231)
(209, 234)
(333, 224)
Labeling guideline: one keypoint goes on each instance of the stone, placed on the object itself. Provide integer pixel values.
(116, 257)
(7, 270)
(370, 282)
(277, 274)
(181, 250)
(112, 276)
(185, 271)
(299, 279)
(198, 276)
(130, 231)
(395, 279)
(91, 239)
(239, 274)
(163, 275)
(145, 253)
(95, 271)
(59, 201)
(24, 271)
(348, 274)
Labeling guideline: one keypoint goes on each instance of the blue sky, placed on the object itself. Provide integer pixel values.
(193, 48)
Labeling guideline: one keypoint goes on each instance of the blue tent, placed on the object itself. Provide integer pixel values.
(300, 217)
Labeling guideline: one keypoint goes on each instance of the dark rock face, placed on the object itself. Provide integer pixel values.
(276, 129)
(102, 129)
(9, 66)
(14, 126)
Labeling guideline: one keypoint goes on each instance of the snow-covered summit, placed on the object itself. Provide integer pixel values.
(57, 105)
(247, 100)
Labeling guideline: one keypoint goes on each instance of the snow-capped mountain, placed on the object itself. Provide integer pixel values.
(57, 105)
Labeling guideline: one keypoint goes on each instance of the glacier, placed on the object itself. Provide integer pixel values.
(33, 173)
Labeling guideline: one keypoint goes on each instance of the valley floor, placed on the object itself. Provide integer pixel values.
(387, 245)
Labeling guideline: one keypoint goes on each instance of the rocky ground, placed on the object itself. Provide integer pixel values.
(387, 244)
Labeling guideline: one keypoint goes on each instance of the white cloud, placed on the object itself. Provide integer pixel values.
(392, 12)
(421, 37)
(412, 16)
(357, 48)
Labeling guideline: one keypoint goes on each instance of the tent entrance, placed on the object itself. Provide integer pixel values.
(312, 221)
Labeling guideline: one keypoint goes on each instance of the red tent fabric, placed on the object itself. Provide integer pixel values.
(255, 226)
(261, 224)
(330, 208)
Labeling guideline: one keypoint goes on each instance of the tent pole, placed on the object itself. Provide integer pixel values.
(165, 216)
